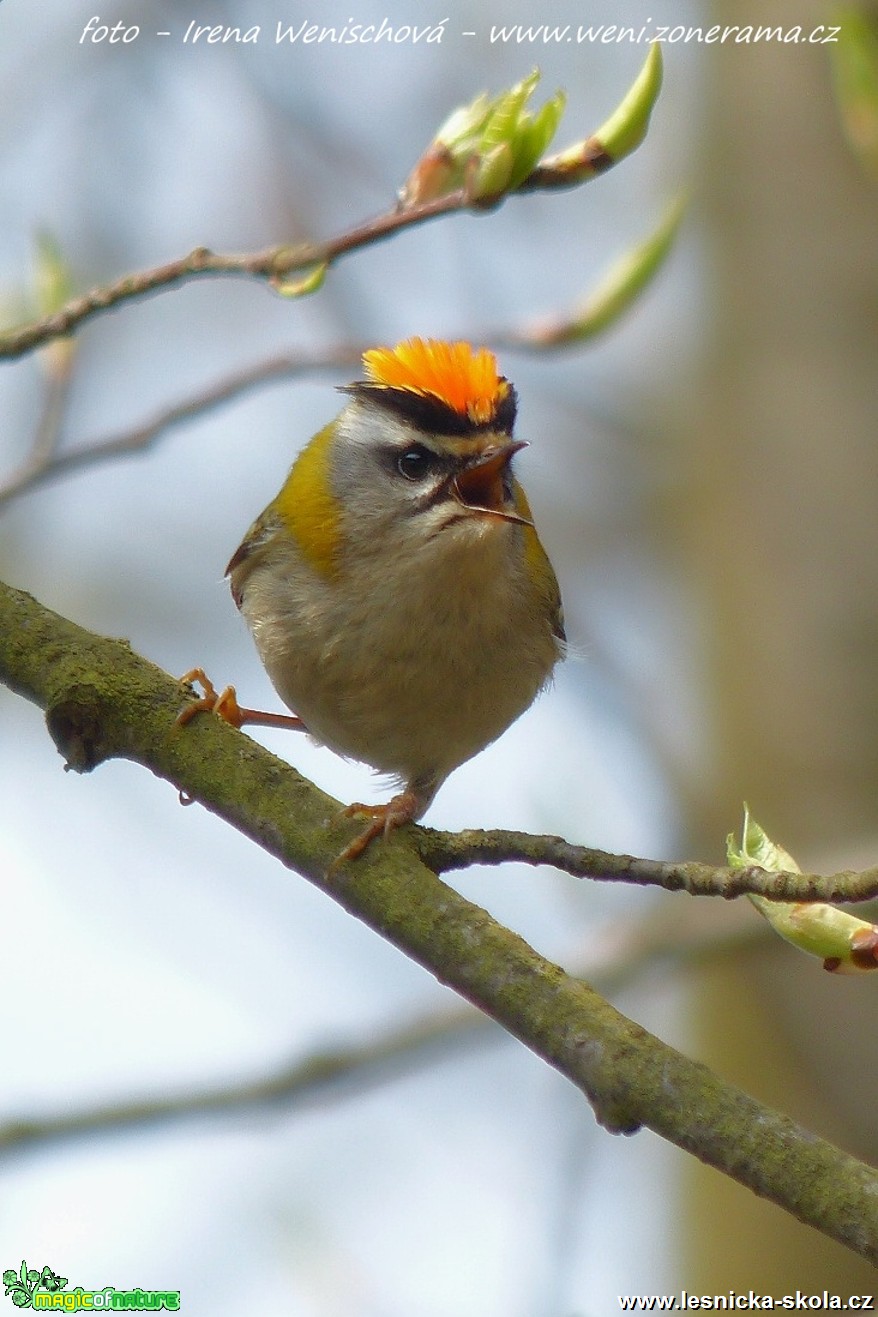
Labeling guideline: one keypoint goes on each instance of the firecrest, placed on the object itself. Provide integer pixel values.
(396, 589)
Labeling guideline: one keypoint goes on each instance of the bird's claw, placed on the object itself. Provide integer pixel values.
(403, 808)
(225, 704)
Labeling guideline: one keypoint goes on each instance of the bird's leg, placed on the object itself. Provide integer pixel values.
(405, 807)
(226, 706)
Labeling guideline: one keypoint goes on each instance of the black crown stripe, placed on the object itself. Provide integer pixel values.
(430, 413)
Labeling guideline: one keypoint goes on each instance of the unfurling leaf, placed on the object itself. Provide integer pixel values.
(846, 944)
(618, 290)
(621, 134)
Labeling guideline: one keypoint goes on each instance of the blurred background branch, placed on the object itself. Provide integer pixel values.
(622, 955)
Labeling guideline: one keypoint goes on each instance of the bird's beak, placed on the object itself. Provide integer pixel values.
(481, 487)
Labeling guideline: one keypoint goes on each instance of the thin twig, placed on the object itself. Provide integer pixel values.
(446, 851)
(277, 264)
(619, 287)
(338, 1070)
(274, 264)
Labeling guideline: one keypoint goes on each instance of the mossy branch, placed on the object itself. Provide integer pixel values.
(104, 701)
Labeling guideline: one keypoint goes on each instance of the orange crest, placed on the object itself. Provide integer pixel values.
(464, 378)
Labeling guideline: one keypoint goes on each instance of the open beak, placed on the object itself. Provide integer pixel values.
(481, 486)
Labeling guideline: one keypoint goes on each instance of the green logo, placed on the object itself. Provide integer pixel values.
(48, 1291)
(23, 1285)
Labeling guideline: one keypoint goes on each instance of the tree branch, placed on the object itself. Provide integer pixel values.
(619, 287)
(444, 851)
(103, 701)
(472, 185)
(471, 158)
(273, 264)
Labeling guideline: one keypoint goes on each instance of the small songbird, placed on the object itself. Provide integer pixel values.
(396, 589)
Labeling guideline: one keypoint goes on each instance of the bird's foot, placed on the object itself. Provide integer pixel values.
(403, 808)
(225, 705)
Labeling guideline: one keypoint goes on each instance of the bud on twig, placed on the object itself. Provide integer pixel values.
(304, 284)
(621, 134)
(846, 944)
(488, 147)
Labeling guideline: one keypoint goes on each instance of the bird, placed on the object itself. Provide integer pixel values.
(396, 589)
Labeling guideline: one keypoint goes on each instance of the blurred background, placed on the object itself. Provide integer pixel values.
(704, 477)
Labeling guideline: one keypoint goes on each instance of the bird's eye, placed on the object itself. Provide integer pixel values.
(415, 463)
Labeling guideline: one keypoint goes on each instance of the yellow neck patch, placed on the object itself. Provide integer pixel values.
(308, 506)
(464, 378)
